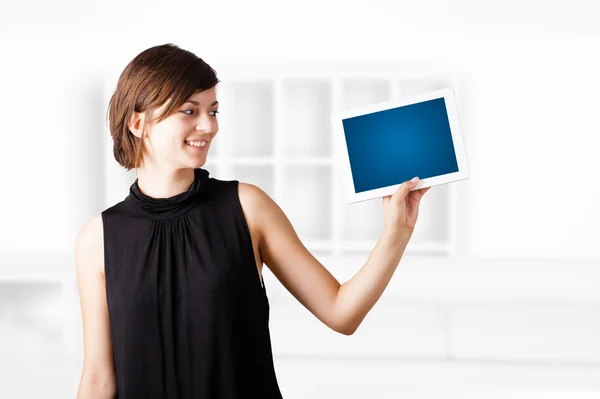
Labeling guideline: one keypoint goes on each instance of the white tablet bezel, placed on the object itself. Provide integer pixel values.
(343, 161)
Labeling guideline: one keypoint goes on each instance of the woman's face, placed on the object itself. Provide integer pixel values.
(176, 141)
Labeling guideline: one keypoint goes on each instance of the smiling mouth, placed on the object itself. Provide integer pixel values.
(197, 144)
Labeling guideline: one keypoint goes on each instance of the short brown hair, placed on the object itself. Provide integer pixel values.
(154, 76)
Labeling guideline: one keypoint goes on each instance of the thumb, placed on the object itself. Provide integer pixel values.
(404, 189)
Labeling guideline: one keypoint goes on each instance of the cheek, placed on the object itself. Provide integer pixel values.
(165, 143)
(179, 131)
(171, 136)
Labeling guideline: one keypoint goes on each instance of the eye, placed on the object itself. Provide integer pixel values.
(184, 111)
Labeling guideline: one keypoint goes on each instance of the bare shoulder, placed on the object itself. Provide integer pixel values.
(90, 244)
(250, 193)
(252, 199)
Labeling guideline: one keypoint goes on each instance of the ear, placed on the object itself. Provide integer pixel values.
(136, 124)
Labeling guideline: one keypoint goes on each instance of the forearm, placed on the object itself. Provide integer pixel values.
(358, 295)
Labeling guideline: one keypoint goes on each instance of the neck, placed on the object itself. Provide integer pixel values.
(164, 183)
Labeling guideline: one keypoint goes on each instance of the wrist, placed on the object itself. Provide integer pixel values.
(396, 234)
(397, 238)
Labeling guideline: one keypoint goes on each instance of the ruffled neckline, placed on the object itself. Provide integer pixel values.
(163, 208)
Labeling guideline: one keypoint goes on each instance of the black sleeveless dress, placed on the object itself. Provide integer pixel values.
(188, 310)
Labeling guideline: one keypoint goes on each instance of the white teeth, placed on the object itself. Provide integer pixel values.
(197, 143)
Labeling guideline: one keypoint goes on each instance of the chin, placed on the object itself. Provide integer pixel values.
(198, 163)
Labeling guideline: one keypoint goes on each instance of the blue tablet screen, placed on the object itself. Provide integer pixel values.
(391, 146)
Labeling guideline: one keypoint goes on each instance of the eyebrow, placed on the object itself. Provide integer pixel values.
(197, 103)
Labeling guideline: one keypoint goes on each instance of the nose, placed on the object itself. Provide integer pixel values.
(205, 124)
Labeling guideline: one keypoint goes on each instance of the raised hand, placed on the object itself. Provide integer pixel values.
(401, 209)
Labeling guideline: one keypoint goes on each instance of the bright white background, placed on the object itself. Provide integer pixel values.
(532, 94)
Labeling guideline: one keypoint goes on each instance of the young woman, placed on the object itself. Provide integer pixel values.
(170, 278)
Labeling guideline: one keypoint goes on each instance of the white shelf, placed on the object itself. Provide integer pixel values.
(305, 117)
(306, 200)
(248, 109)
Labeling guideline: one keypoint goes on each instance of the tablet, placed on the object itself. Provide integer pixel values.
(384, 144)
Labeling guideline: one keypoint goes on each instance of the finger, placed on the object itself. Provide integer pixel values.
(404, 188)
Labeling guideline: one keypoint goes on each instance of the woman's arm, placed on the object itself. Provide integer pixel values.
(340, 307)
(358, 295)
(97, 377)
